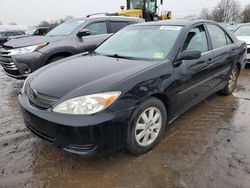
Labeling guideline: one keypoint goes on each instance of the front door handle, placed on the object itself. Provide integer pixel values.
(210, 60)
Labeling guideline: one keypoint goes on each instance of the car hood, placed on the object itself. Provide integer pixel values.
(30, 40)
(84, 75)
(245, 39)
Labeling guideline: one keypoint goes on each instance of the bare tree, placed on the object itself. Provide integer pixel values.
(54, 23)
(226, 11)
(245, 15)
(205, 14)
(12, 23)
(1, 23)
(44, 24)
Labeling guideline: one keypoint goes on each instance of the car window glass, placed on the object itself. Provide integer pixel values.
(97, 28)
(196, 40)
(147, 42)
(116, 26)
(218, 36)
(243, 31)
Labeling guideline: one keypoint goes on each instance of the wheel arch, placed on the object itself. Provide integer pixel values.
(165, 100)
(57, 54)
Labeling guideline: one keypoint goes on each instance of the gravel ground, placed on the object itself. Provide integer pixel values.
(206, 147)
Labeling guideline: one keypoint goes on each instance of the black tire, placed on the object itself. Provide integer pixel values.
(53, 59)
(131, 142)
(232, 82)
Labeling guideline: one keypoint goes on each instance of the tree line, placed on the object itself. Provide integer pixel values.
(228, 11)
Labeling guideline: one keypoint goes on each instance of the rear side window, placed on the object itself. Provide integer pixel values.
(116, 26)
(97, 28)
(196, 39)
(218, 36)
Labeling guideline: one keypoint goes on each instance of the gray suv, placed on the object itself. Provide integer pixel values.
(19, 57)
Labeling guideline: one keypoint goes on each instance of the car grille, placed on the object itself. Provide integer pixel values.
(7, 62)
(40, 100)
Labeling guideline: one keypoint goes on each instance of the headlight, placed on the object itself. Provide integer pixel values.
(25, 84)
(28, 49)
(89, 104)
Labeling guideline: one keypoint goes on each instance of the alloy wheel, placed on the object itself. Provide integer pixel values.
(148, 126)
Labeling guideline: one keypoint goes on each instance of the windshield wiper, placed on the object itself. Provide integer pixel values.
(120, 56)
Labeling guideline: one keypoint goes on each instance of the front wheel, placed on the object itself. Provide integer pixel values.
(146, 126)
(232, 81)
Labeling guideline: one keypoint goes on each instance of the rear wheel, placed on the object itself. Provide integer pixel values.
(146, 126)
(232, 81)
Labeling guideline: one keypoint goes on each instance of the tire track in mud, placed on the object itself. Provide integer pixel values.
(208, 146)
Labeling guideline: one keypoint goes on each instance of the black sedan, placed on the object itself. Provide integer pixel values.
(134, 84)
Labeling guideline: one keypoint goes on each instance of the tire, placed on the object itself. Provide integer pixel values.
(232, 82)
(152, 130)
(53, 59)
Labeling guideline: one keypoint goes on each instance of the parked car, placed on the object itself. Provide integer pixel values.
(22, 56)
(243, 33)
(4, 35)
(38, 31)
(131, 87)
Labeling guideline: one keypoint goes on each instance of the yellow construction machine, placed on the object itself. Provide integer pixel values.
(146, 9)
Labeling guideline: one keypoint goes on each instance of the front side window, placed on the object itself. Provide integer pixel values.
(97, 28)
(141, 42)
(218, 36)
(243, 31)
(135, 4)
(196, 40)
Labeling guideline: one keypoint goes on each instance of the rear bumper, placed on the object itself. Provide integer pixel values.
(84, 135)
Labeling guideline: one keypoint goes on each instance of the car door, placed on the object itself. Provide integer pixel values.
(224, 55)
(192, 76)
(98, 33)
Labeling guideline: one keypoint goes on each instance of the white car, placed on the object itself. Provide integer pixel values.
(243, 33)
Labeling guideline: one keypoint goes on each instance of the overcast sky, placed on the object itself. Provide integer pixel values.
(31, 12)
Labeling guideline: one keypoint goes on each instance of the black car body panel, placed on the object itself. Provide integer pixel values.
(57, 46)
(179, 84)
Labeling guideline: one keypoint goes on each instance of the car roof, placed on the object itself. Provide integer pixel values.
(117, 18)
(177, 22)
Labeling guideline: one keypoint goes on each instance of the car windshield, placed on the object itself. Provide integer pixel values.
(243, 31)
(66, 28)
(141, 42)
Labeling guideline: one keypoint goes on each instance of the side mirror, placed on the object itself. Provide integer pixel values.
(83, 32)
(190, 55)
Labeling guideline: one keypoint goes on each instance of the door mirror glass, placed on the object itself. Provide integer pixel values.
(83, 32)
(190, 55)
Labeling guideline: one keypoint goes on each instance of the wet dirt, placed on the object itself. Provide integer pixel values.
(208, 146)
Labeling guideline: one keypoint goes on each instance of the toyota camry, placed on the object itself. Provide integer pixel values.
(125, 93)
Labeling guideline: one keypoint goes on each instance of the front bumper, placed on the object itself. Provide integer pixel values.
(21, 66)
(85, 135)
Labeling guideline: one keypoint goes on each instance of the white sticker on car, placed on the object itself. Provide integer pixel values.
(173, 28)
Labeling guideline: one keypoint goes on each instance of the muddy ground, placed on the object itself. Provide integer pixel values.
(209, 146)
